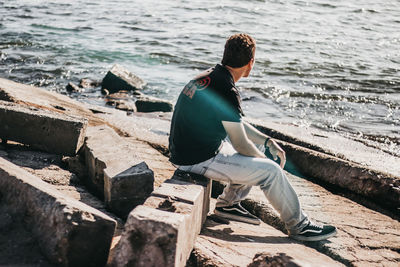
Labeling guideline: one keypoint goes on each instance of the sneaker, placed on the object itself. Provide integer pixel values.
(238, 213)
(314, 232)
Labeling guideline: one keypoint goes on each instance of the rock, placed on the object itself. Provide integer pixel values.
(88, 83)
(49, 131)
(76, 165)
(382, 187)
(126, 106)
(69, 232)
(117, 172)
(119, 78)
(198, 180)
(120, 100)
(237, 243)
(152, 104)
(162, 231)
(71, 87)
(268, 260)
(125, 190)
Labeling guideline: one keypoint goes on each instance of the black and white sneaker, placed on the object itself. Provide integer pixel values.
(238, 213)
(314, 232)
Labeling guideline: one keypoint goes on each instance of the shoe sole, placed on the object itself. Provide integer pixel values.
(237, 218)
(314, 238)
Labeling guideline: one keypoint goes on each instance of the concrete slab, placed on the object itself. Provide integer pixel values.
(238, 244)
(151, 237)
(198, 180)
(333, 144)
(383, 188)
(340, 161)
(48, 131)
(125, 190)
(361, 231)
(69, 232)
(175, 209)
(116, 171)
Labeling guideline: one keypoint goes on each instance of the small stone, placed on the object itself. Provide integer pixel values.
(153, 104)
(71, 87)
(88, 83)
(119, 78)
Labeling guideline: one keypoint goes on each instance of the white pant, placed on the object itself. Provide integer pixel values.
(242, 172)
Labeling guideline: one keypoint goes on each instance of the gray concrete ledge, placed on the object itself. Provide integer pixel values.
(162, 231)
(69, 232)
(49, 131)
(382, 187)
(116, 170)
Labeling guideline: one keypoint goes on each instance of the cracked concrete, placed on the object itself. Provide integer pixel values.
(363, 234)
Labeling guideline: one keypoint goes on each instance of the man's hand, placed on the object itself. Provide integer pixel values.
(276, 151)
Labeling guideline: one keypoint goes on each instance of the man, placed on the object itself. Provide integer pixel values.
(207, 112)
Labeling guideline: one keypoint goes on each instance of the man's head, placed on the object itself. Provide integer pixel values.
(239, 52)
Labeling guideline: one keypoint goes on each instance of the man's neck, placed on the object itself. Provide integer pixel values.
(236, 73)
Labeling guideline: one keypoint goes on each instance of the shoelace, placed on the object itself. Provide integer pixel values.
(314, 226)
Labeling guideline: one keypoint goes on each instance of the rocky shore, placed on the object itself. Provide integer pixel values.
(111, 197)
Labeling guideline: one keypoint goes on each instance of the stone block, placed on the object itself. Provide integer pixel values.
(69, 233)
(383, 188)
(162, 231)
(116, 170)
(198, 180)
(150, 238)
(125, 190)
(119, 78)
(153, 104)
(44, 130)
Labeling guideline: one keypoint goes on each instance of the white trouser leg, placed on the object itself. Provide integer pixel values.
(242, 172)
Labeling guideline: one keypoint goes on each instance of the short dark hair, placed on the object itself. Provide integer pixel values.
(239, 50)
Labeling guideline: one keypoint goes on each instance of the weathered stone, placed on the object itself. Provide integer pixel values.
(361, 230)
(175, 209)
(198, 180)
(119, 78)
(69, 232)
(71, 87)
(348, 163)
(236, 244)
(147, 233)
(152, 104)
(128, 180)
(185, 192)
(126, 106)
(382, 187)
(266, 259)
(152, 237)
(88, 83)
(44, 130)
(124, 191)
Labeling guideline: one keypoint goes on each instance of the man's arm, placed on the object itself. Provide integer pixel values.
(251, 133)
(241, 143)
(254, 135)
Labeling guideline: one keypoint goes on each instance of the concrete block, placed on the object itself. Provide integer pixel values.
(152, 237)
(69, 233)
(116, 170)
(124, 191)
(119, 78)
(383, 188)
(49, 131)
(198, 180)
(173, 212)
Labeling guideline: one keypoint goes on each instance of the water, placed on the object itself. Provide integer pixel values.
(332, 65)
